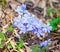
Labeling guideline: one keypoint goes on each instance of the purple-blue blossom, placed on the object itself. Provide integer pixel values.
(28, 22)
(45, 43)
(21, 9)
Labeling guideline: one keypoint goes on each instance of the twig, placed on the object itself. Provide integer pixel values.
(50, 1)
(44, 6)
(53, 47)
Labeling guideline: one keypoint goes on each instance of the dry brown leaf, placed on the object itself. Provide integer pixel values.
(1, 13)
(22, 50)
(28, 49)
(13, 6)
(5, 50)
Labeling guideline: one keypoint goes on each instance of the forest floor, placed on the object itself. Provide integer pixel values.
(27, 42)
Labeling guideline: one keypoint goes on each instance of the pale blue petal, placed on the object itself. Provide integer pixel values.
(38, 35)
(15, 24)
(23, 7)
(42, 34)
(30, 28)
(44, 30)
(18, 9)
(15, 19)
(35, 32)
(45, 43)
(49, 40)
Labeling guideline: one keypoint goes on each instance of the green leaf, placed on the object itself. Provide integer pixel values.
(55, 21)
(53, 24)
(21, 43)
(51, 10)
(10, 28)
(3, 1)
(1, 45)
(58, 21)
(54, 27)
(44, 49)
(10, 46)
(2, 35)
(36, 49)
(25, 40)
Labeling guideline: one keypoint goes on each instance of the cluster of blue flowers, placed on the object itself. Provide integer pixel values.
(27, 22)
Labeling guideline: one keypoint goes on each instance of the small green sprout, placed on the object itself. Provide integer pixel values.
(21, 43)
(10, 28)
(2, 35)
(51, 10)
(1, 45)
(3, 3)
(54, 23)
(36, 49)
(9, 45)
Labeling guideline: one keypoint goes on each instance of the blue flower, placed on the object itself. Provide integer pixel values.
(17, 19)
(23, 7)
(18, 9)
(49, 28)
(45, 43)
(25, 24)
(22, 28)
(15, 24)
(44, 30)
(38, 35)
(29, 23)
